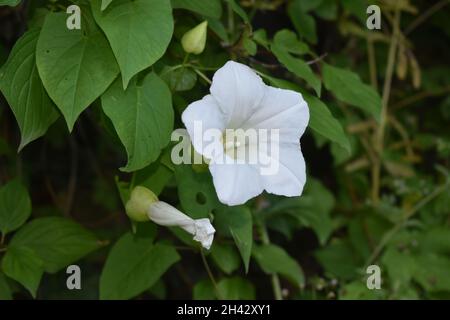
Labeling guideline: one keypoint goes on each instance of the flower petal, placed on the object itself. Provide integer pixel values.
(235, 183)
(238, 91)
(281, 109)
(207, 113)
(290, 176)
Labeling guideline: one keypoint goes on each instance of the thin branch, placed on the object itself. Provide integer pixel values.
(210, 275)
(424, 16)
(379, 135)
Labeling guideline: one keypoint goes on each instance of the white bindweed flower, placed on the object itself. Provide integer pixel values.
(144, 205)
(241, 101)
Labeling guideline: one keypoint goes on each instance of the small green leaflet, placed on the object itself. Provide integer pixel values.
(139, 32)
(323, 122)
(348, 87)
(76, 66)
(23, 89)
(143, 118)
(298, 67)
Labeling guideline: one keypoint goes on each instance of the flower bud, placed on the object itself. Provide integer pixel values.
(164, 214)
(194, 40)
(140, 200)
(144, 205)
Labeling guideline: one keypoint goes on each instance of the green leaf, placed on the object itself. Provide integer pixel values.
(196, 192)
(139, 32)
(24, 266)
(348, 87)
(236, 288)
(260, 37)
(287, 40)
(15, 206)
(58, 242)
(23, 89)
(5, 291)
(208, 8)
(226, 257)
(273, 259)
(134, 265)
(298, 67)
(303, 22)
(250, 46)
(237, 221)
(182, 79)
(76, 66)
(11, 3)
(143, 118)
(324, 123)
(105, 4)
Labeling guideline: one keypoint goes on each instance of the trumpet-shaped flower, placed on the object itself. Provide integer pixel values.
(241, 103)
(144, 205)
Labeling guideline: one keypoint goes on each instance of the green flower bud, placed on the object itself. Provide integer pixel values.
(194, 40)
(140, 201)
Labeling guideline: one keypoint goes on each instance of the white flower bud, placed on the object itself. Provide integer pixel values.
(194, 40)
(164, 214)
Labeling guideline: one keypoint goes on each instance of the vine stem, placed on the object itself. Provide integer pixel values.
(203, 76)
(210, 275)
(274, 278)
(379, 134)
(372, 62)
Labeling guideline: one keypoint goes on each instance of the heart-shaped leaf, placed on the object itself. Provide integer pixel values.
(139, 32)
(143, 118)
(76, 66)
(23, 89)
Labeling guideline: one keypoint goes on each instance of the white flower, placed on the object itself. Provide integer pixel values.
(144, 205)
(240, 100)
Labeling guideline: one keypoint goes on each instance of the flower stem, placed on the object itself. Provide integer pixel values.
(274, 278)
(203, 76)
(210, 275)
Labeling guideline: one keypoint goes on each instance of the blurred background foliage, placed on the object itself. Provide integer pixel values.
(377, 155)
